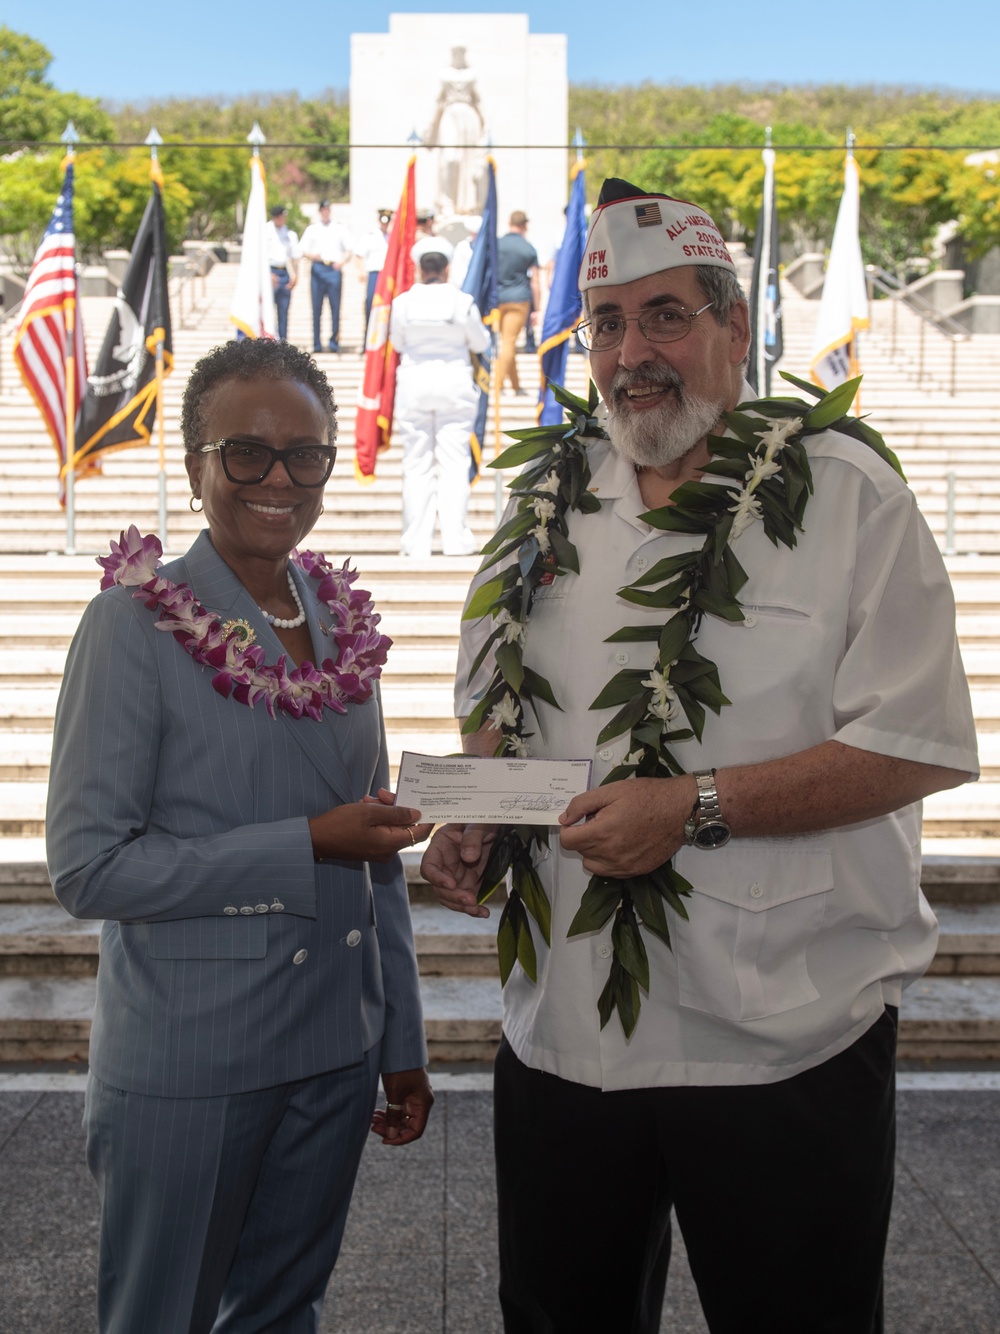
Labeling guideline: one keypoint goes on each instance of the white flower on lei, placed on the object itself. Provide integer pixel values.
(504, 714)
(664, 704)
(778, 431)
(747, 509)
(513, 631)
(517, 745)
(550, 485)
(545, 509)
(633, 757)
(759, 471)
(544, 541)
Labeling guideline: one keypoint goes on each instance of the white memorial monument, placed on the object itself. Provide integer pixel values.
(464, 85)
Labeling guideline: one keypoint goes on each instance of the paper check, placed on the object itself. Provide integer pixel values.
(470, 790)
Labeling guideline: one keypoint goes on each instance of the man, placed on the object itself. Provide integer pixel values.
(519, 295)
(370, 259)
(282, 255)
(755, 1093)
(328, 245)
(434, 327)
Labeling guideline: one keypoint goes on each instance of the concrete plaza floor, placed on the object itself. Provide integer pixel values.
(419, 1254)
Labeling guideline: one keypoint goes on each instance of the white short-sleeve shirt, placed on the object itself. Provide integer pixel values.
(794, 945)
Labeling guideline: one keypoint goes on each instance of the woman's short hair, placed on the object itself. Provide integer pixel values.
(250, 359)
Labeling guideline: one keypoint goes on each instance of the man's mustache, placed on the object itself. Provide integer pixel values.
(661, 376)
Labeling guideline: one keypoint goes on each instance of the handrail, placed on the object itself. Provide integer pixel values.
(891, 286)
(7, 313)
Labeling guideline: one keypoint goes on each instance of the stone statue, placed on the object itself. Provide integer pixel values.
(457, 134)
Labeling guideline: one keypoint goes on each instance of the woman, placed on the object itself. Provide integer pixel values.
(257, 970)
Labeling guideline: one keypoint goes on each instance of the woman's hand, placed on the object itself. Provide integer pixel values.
(367, 831)
(409, 1098)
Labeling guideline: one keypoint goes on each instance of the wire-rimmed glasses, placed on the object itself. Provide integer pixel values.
(660, 324)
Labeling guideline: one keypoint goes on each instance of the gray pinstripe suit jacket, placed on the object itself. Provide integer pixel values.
(169, 804)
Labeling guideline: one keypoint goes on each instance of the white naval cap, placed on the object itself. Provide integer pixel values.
(432, 245)
(633, 234)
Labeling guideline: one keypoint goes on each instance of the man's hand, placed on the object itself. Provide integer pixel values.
(453, 866)
(409, 1099)
(367, 831)
(630, 827)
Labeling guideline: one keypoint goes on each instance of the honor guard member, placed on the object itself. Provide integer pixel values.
(282, 256)
(434, 328)
(328, 245)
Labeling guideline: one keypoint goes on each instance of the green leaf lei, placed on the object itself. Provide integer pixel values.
(766, 460)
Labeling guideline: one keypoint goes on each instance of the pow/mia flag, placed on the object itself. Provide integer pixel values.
(119, 409)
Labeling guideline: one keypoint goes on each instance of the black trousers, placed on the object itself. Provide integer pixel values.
(782, 1191)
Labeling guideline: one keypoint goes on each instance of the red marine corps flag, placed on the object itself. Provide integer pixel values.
(373, 426)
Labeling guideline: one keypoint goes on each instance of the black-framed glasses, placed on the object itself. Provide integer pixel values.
(661, 324)
(248, 461)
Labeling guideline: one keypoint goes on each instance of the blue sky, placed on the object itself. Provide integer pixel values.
(191, 47)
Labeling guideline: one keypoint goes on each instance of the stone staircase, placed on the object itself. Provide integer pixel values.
(48, 960)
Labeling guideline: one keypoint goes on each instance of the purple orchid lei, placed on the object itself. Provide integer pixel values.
(240, 668)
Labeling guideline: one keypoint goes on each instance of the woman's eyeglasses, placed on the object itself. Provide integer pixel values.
(247, 461)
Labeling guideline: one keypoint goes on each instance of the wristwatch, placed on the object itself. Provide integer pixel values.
(705, 827)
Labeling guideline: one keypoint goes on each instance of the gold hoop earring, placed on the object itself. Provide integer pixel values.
(322, 509)
(191, 505)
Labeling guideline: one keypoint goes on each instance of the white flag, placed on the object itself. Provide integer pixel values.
(253, 301)
(843, 309)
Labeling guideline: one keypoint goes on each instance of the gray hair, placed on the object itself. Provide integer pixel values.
(722, 288)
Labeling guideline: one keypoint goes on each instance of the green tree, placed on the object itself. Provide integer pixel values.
(31, 109)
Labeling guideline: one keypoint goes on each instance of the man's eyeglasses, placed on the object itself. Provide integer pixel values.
(247, 461)
(661, 324)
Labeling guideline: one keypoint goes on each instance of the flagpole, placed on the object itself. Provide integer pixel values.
(854, 365)
(154, 139)
(764, 269)
(70, 138)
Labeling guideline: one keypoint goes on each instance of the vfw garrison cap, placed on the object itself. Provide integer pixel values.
(633, 234)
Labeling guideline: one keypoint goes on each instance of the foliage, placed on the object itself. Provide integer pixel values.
(30, 108)
(111, 191)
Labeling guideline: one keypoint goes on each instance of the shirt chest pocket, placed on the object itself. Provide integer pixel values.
(754, 909)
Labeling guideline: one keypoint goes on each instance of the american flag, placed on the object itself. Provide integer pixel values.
(50, 309)
(648, 215)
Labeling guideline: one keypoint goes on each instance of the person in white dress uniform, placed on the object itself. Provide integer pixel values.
(434, 327)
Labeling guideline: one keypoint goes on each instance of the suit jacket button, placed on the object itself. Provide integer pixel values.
(246, 910)
(262, 907)
(277, 907)
(300, 956)
(353, 938)
(230, 911)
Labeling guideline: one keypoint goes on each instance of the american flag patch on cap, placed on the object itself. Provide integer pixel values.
(648, 215)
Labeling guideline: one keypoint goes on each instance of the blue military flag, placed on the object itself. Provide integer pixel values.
(562, 314)
(481, 284)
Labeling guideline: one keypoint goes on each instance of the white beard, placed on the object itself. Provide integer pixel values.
(654, 439)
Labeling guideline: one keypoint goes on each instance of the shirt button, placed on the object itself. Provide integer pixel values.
(749, 620)
(261, 907)
(621, 657)
(230, 911)
(641, 562)
(604, 951)
(300, 956)
(246, 910)
(353, 937)
(606, 754)
(277, 907)
(755, 891)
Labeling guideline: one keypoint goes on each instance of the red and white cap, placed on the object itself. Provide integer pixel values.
(633, 234)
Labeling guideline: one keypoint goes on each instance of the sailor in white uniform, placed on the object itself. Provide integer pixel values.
(434, 327)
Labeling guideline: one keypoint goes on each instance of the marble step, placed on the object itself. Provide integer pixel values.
(42, 939)
(941, 1018)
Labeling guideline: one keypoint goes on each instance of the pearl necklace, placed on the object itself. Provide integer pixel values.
(276, 621)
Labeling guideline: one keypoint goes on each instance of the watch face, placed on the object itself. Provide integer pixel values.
(712, 835)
